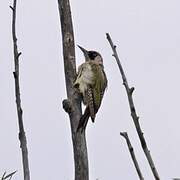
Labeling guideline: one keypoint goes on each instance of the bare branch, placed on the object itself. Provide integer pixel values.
(11, 8)
(133, 110)
(72, 105)
(22, 136)
(8, 176)
(131, 150)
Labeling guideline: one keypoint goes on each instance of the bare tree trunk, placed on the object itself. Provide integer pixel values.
(72, 105)
(131, 150)
(135, 118)
(22, 136)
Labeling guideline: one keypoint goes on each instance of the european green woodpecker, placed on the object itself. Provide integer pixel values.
(91, 82)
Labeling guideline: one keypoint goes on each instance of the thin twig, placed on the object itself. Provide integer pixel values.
(131, 150)
(22, 136)
(5, 177)
(72, 105)
(135, 118)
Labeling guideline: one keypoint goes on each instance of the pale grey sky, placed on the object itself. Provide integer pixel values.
(147, 35)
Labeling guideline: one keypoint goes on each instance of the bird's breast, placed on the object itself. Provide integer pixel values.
(85, 78)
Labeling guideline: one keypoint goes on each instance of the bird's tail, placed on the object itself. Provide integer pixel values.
(83, 120)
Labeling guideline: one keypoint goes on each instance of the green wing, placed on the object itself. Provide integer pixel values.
(99, 84)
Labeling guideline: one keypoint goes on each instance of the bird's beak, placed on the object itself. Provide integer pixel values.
(85, 52)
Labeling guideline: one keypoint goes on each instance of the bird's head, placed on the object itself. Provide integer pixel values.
(91, 55)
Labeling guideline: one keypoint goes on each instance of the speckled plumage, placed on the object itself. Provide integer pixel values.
(91, 82)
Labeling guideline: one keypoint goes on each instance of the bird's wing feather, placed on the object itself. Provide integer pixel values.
(90, 99)
(100, 84)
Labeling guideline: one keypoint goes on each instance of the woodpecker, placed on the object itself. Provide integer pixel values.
(91, 82)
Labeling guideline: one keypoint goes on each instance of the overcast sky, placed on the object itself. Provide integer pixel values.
(147, 35)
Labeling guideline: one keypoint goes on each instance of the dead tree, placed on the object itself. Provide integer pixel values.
(22, 136)
(134, 116)
(72, 105)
